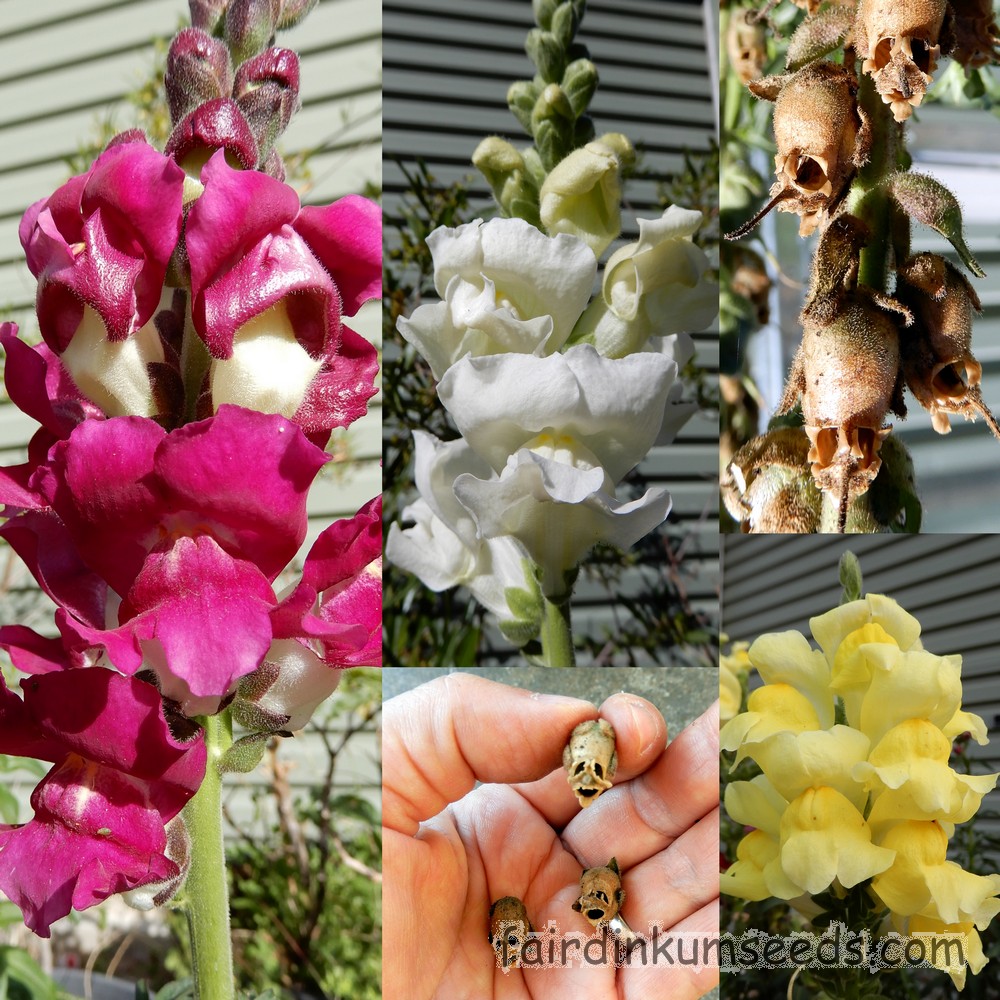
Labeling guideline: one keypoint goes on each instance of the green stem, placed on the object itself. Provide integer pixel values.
(557, 636)
(206, 889)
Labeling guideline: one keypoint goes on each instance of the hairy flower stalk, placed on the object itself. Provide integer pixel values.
(856, 799)
(556, 395)
(195, 357)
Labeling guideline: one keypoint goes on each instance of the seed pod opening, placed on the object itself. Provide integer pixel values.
(590, 760)
(509, 930)
(601, 893)
(822, 137)
(899, 43)
(938, 364)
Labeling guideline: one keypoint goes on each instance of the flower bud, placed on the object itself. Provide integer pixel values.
(217, 124)
(198, 70)
(250, 26)
(267, 92)
(899, 43)
(521, 97)
(582, 195)
(932, 204)
(208, 15)
(293, 11)
(579, 83)
(938, 351)
(822, 137)
(503, 167)
(547, 54)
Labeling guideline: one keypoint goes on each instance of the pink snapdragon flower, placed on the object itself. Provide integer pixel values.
(161, 548)
(330, 620)
(119, 776)
(270, 282)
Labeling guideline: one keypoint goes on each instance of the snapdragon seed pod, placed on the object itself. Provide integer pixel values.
(938, 364)
(509, 929)
(601, 893)
(900, 45)
(590, 760)
(974, 27)
(822, 136)
(745, 44)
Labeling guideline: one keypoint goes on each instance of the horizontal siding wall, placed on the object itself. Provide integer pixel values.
(447, 70)
(950, 583)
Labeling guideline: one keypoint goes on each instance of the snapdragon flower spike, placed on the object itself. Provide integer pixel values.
(120, 776)
(269, 282)
(187, 529)
(102, 242)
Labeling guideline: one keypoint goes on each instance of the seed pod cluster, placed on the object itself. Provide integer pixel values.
(860, 345)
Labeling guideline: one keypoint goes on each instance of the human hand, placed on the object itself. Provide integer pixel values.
(449, 850)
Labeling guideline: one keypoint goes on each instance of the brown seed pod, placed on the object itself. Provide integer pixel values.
(900, 45)
(974, 28)
(745, 44)
(768, 487)
(509, 930)
(750, 280)
(938, 363)
(601, 893)
(590, 760)
(847, 374)
(823, 137)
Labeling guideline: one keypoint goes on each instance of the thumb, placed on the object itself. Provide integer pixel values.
(441, 738)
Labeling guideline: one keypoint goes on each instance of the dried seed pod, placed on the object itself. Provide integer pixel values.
(590, 760)
(768, 487)
(601, 893)
(751, 280)
(938, 352)
(847, 373)
(822, 135)
(974, 27)
(509, 930)
(745, 44)
(900, 45)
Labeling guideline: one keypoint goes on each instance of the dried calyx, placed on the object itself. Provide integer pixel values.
(509, 930)
(938, 363)
(601, 893)
(822, 136)
(590, 760)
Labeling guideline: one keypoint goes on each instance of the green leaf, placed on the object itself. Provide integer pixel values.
(850, 577)
(24, 978)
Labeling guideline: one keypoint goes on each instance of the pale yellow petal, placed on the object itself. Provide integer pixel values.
(787, 658)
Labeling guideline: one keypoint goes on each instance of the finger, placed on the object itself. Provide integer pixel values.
(641, 817)
(442, 737)
(642, 980)
(640, 738)
(678, 881)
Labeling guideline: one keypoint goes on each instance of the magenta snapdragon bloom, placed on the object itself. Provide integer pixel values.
(330, 620)
(160, 548)
(270, 283)
(119, 776)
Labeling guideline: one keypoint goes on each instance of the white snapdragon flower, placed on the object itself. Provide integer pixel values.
(443, 547)
(656, 286)
(504, 287)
